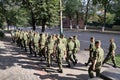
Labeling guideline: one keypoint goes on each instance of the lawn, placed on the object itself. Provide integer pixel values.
(117, 60)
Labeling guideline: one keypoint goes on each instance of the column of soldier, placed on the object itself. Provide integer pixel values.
(59, 47)
(48, 46)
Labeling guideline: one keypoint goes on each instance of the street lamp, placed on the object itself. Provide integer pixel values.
(61, 22)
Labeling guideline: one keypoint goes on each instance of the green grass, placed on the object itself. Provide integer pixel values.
(117, 57)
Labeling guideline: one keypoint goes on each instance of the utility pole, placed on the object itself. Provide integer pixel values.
(61, 21)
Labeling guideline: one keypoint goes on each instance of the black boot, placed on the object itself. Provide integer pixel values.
(60, 70)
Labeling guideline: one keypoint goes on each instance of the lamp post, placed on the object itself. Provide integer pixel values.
(61, 21)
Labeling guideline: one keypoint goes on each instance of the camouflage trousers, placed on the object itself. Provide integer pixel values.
(97, 70)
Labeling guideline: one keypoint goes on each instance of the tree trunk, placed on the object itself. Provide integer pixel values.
(43, 25)
(70, 22)
(8, 24)
(33, 20)
(86, 14)
(77, 16)
(105, 11)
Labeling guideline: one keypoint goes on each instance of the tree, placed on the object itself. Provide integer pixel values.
(86, 13)
(49, 13)
(71, 9)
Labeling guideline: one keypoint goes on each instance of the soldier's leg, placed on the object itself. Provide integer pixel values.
(35, 50)
(108, 57)
(43, 53)
(22, 43)
(67, 60)
(60, 63)
(30, 47)
(40, 52)
(98, 72)
(25, 45)
(48, 59)
(113, 60)
(71, 59)
(74, 56)
(89, 60)
(91, 72)
(19, 42)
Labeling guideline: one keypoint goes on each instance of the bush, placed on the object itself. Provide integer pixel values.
(1, 34)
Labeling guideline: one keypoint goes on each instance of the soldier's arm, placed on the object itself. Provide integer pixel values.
(88, 48)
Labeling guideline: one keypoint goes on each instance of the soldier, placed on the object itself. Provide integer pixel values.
(30, 41)
(96, 60)
(42, 42)
(70, 49)
(25, 39)
(111, 53)
(76, 48)
(91, 50)
(64, 40)
(36, 43)
(16, 37)
(60, 53)
(20, 35)
(50, 50)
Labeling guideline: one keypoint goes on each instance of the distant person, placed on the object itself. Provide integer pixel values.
(97, 60)
(91, 50)
(111, 53)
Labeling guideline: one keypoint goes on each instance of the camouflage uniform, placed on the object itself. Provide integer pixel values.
(30, 41)
(60, 53)
(42, 43)
(70, 49)
(76, 48)
(36, 43)
(97, 60)
(91, 50)
(25, 40)
(50, 50)
(111, 54)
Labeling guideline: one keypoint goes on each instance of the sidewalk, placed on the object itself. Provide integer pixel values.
(15, 64)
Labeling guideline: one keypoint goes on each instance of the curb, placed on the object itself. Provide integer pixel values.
(105, 77)
(89, 30)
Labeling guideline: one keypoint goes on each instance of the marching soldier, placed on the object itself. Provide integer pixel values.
(30, 41)
(70, 49)
(97, 60)
(42, 43)
(111, 53)
(20, 41)
(50, 50)
(76, 48)
(64, 40)
(60, 53)
(36, 43)
(25, 40)
(91, 50)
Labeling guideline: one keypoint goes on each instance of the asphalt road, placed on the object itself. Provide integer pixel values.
(84, 38)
